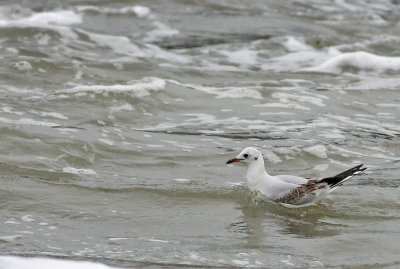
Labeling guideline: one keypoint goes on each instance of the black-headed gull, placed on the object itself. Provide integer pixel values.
(290, 191)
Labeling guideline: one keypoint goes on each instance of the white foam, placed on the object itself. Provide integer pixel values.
(49, 114)
(247, 56)
(270, 156)
(54, 20)
(78, 75)
(181, 145)
(221, 125)
(23, 66)
(27, 121)
(12, 50)
(346, 6)
(72, 170)
(300, 56)
(26, 232)
(62, 17)
(242, 56)
(43, 39)
(316, 264)
(286, 151)
(33, 92)
(118, 238)
(106, 141)
(346, 153)
(154, 146)
(10, 238)
(388, 105)
(27, 218)
(380, 127)
(118, 66)
(158, 240)
(54, 115)
(291, 105)
(124, 107)
(224, 92)
(182, 180)
(120, 44)
(15, 262)
(202, 118)
(321, 167)
(236, 184)
(288, 97)
(194, 255)
(7, 109)
(240, 93)
(333, 134)
(376, 83)
(317, 150)
(139, 88)
(241, 262)
(296, 44)
(360, 60)
(162, 30)
(154, 51)
(140, 11)
(11, 221)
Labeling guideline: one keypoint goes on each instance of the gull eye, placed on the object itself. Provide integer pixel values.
(245, 155)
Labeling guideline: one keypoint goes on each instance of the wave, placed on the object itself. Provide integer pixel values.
(15, 262)
(59, 21)
(61, 17)
(140, 11)
(139, 88)
(28, 121)
(358, 60)
(224, 92)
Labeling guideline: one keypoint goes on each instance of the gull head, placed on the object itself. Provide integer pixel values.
(248, 155)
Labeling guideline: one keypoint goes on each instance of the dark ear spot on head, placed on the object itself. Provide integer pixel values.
(256, 158)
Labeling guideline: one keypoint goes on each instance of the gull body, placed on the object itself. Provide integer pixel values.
(290, 191)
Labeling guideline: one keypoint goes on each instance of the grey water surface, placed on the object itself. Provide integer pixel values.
(117, 118)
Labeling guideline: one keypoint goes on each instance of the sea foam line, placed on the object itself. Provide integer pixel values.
(139, 87)
(359, 59)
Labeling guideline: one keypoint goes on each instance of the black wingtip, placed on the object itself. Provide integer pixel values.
(339, 179)
(359, 168)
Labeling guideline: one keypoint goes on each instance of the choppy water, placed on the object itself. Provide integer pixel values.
(117, 119)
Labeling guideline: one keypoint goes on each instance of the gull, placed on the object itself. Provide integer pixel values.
(288, 190)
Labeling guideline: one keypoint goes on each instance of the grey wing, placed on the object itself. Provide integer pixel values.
(293, 179)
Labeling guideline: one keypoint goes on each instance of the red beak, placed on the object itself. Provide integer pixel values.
(234, 160)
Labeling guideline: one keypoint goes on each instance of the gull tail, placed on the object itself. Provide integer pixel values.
(339, 179)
